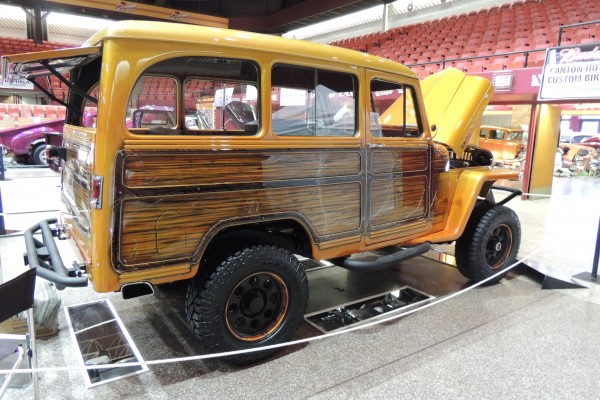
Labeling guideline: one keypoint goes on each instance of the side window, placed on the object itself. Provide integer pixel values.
(216, 105)
(90, 109)
(196, 96)
(394, 111)
(313, 102)
(482, 133)
(153, 105)
(500, 134)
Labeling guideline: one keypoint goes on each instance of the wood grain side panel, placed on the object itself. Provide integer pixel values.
(398, 160)
(222, 168)
(156, 229)
(393, 201)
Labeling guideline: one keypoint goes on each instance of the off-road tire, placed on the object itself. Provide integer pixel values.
(489, 244)
(253, 298)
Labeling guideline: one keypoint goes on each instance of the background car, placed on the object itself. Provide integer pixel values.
(577, 155)
(504, 143)
(28, 143)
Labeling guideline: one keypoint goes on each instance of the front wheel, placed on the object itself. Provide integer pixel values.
(38, 155)
(254, 298)
(489, 244)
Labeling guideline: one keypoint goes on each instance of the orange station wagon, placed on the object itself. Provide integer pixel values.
(217, 156)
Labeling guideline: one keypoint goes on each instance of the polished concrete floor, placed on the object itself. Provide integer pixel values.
(511, 340)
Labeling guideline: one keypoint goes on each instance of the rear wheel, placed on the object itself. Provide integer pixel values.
(489, 244)
(255, 297)
(38, 155)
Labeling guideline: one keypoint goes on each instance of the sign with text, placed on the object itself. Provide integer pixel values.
(502, 81)
(571, 73)
(15, 84)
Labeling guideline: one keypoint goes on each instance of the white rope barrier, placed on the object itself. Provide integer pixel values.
(274, 346)
(8, 214)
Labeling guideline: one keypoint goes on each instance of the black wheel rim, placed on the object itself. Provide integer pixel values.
(256, 307)
(498, 247)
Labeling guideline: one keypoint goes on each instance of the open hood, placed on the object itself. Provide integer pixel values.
(454, 103)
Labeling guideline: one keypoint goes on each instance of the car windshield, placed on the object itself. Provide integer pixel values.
(580, 138)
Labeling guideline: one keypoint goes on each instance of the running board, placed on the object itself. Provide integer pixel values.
(370, 262)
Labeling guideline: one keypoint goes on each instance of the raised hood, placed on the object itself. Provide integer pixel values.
(454, 102)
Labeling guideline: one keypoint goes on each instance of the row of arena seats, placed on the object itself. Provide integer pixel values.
(473, 42)
(16, 46)
(526, 27)
(14, 115)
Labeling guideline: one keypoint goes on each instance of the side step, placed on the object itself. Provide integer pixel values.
(371, 262)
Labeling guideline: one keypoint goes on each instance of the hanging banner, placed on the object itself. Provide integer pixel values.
(571, 73)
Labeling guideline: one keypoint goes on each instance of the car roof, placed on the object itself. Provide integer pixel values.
(193, 34)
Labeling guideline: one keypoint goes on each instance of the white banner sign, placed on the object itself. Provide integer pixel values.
(571, 73)
(16, 84)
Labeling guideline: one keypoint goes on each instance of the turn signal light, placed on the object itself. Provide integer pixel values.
(96, 200)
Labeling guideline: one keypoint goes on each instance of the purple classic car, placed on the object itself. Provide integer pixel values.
(28, 142)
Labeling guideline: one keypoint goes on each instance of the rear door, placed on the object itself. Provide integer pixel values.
(83, 65)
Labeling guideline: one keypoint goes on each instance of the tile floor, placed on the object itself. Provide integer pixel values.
(511, 340)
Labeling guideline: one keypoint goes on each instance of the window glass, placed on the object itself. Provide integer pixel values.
(153, 105)
(482, 133)
(213, 105)
(515, 135)
(196, 95)
(394, 110)
(90, 109)
(313, 102)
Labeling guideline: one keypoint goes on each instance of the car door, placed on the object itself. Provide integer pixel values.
(398, 158)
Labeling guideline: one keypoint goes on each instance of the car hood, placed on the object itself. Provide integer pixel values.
(454, 103)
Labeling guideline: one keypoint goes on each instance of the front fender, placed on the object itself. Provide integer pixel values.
(21, 143)
(470, 184)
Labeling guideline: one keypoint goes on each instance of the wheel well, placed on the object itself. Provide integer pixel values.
(288, 234)
(36, 143)
(486, 191)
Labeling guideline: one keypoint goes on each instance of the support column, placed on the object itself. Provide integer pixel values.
(35, 21)
(544, 149)
(385, 19)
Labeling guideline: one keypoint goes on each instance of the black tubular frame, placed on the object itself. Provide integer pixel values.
(45, 257)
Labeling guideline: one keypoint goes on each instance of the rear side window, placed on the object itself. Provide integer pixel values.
(196, 96)
(313, 102)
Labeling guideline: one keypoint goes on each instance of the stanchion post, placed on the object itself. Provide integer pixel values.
(2, 228)
(596, 254)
